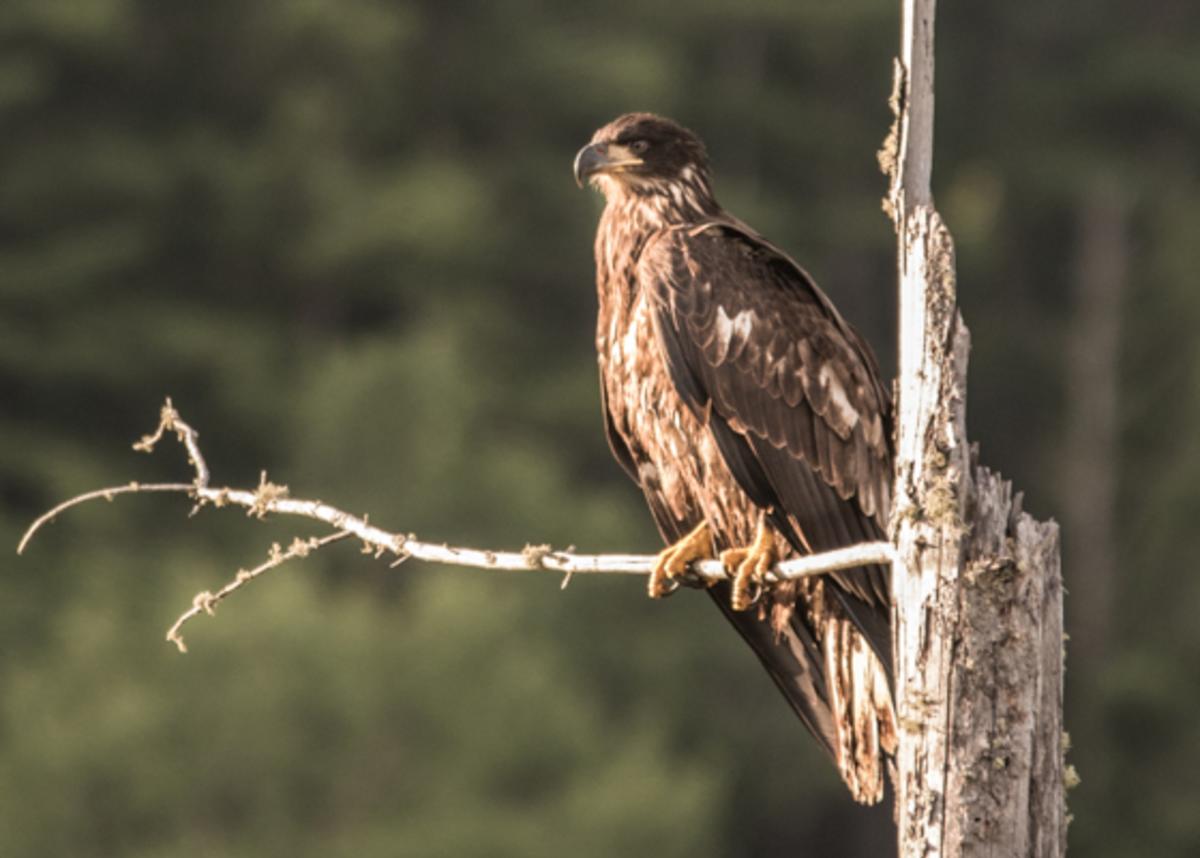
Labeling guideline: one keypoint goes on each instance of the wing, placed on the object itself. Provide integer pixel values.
(791, 393)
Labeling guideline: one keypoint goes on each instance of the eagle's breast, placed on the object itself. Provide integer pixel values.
(677, 458)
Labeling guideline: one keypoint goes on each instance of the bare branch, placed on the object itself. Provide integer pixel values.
(271, 498)
(206, 602)
(107, 494)
(170, 421)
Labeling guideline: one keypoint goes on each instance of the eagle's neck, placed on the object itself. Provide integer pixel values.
(633, 214)
(653, 204)
(635, 210)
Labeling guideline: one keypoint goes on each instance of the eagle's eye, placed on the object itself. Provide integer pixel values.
(637, 147)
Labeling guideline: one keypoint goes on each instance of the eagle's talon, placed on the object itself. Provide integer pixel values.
(747, 587)
(672, 562)
(749, 567)
(662, 581)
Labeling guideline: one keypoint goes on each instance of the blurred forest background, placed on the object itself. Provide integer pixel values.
(343, 235)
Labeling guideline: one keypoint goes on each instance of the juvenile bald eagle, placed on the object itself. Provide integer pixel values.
(754, 420)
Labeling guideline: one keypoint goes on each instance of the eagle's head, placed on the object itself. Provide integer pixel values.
(651, 159)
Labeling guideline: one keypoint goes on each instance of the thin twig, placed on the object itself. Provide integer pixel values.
(170, 421)
(206, 602)
(271, 498)
(107, 494)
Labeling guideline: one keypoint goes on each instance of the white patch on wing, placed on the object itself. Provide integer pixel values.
(726, 328)
(839, 403)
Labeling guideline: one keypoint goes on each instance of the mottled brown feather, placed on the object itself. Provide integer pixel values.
(733, 389)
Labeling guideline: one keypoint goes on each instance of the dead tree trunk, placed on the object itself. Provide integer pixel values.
(979, 642)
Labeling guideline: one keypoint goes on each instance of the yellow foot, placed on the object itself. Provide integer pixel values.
(673, 561)
(749, 566)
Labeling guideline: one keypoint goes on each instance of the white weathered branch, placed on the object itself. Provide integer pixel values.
(270, 498)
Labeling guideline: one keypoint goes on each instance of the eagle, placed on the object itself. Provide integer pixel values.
(753, 418)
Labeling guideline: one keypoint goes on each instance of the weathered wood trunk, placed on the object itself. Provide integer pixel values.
(979, 637)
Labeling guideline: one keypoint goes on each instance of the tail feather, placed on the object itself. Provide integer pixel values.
(833, 680)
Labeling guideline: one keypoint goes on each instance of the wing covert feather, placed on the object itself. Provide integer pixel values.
(745, 328)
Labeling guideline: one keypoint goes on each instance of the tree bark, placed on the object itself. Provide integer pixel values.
(979, 638)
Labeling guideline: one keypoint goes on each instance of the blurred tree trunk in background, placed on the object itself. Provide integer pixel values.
(1089, 480)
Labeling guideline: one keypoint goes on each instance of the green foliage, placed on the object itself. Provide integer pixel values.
(297, 728)
(344, 237)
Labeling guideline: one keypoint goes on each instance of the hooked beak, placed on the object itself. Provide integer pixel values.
(602, 158)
